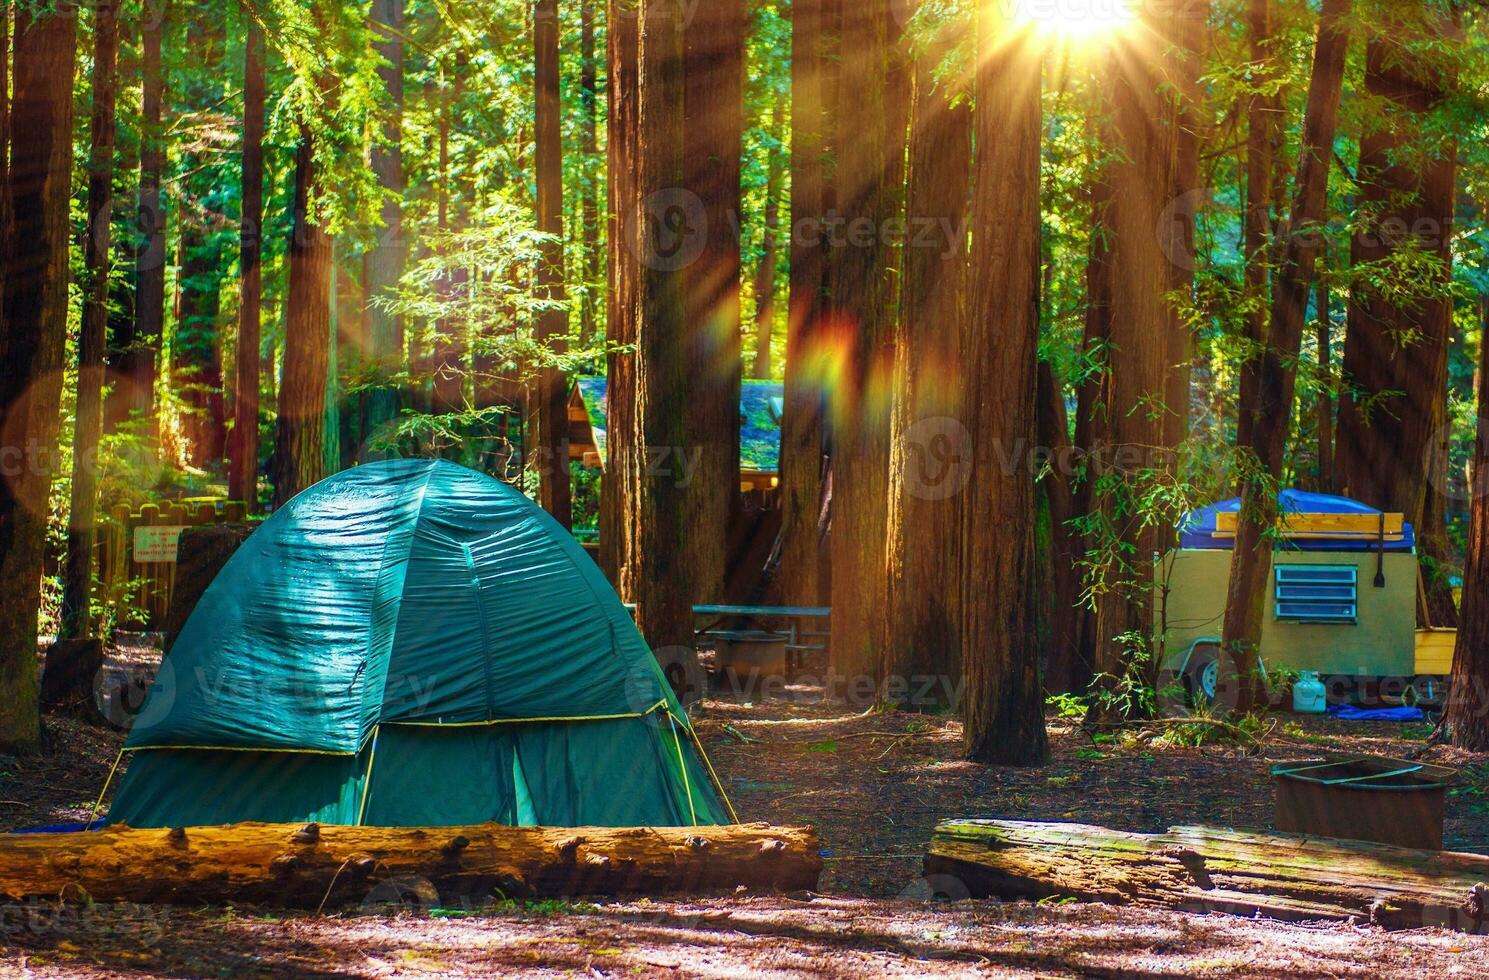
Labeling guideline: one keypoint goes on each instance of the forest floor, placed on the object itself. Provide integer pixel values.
(874, 785)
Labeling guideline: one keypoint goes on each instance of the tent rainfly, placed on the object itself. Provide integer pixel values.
(410, 643)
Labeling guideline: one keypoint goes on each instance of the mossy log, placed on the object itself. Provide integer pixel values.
(1205, 869)
(311, 866)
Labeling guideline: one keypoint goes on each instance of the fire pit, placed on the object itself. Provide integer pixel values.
(1389, 801)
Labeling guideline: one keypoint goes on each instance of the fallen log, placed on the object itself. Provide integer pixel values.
(310, 866)
(1205, 869)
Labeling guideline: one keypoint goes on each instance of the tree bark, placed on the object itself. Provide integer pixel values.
(1206, 869)
(664, 588)
(1144, 408)
(712, 147)
(1467, 715)
(861, 302)
(299, 439)
(589, 208)
(554, 491)
(765, 275)
(1393, 413)
(244, 457)
(135, 366)
(385, 260)
(32, 344)
(620, 488)
(1264, 124)
(196, 342)
(928, 457)
(77, 577)
(814, 29)
(1251, 557)
(311, 866)
(998, 603)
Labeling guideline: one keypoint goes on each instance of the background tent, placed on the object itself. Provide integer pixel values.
(412, 643)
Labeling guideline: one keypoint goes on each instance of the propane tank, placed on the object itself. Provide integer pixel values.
(1310, 697)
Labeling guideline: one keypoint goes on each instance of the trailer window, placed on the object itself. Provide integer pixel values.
(1316, 593)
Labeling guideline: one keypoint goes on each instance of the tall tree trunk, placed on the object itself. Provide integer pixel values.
(385, 260)
(765, 274)
(1264, 123)
(1251, 559)
(861, 292)
(999, 642)
(1467, 716)
(32, 344)
(1136, 421)
(589, 208)
(77, 578)
(136, 366)
(196, 344)
(1393, 435)
(929, 458)
(1186, 34)
(243, 471)
(664, 588)
(814, 28)
(712, 148)
(1324, 409)
(553, 325)
(620, 489)
(299, 438)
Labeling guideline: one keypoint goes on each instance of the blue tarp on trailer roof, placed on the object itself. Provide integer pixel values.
(1197, 530)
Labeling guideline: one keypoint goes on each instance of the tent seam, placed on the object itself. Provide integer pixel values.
(398, 614)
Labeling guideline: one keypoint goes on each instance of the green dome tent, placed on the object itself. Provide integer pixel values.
(410, 643)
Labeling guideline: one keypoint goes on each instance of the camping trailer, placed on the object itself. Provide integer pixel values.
(1342, 600)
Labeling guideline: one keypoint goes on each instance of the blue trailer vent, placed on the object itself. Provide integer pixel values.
(1316, 593)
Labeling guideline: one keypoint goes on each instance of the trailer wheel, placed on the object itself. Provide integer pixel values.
(1202, 676)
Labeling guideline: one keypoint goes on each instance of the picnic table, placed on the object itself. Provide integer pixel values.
(803, 631)
(802, 627)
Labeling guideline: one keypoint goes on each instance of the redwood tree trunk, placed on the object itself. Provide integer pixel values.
(1467, 716)
(620, 489)
(33, 337)
(554, 491)
(1251, 559)
(1135, 422)
(196, 343)
(814, 28)
(299, 437)
(928, 459)
(765, 275)
(135, 368)
(1264, 118)
(244, 458)
(1396, 347)
(664, 588)
(999, 605)
(712, 147)
(589, 209)
(384, 264)
(861, 301)
(77, 579)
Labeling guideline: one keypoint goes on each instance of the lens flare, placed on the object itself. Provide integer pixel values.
(1076, 20)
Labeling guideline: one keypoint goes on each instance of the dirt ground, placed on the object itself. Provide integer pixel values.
(874, 785)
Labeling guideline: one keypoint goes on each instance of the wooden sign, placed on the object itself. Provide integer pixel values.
(1344, 527)
(155, 544)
